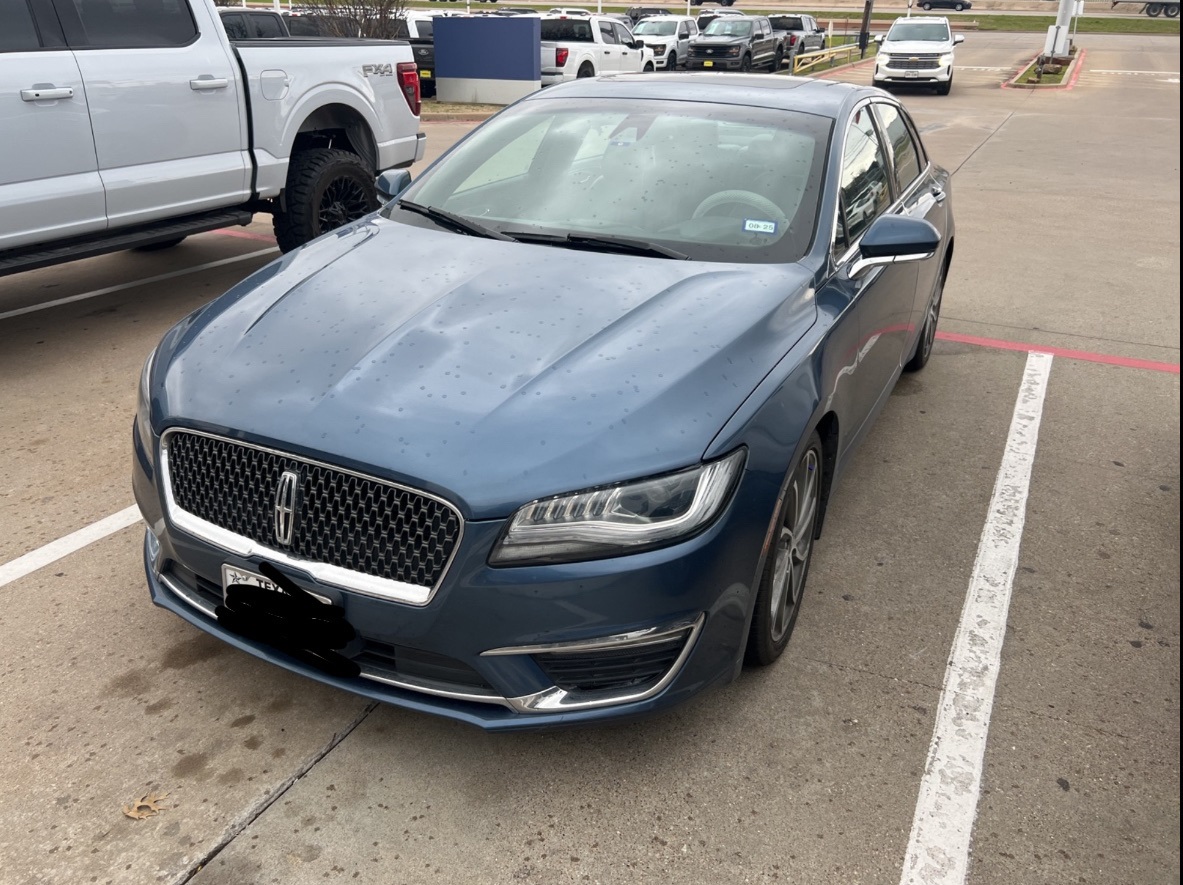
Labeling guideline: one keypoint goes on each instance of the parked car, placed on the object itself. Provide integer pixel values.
(705, 18)
(636, 13)
(584, 46)
(566, 458)
(798, 33)
(917, 50)
(720, 2)
(736, 44)
(567, 10)
(106, 147)
(418, 29)
(669, 37)
(957, 5)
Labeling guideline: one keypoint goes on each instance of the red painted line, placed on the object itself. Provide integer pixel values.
(243, 234)
(1086, 355)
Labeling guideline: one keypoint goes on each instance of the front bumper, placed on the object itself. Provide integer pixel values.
(893, 74)
(717, 63)
(510, 649)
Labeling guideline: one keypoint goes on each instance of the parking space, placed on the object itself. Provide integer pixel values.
(1068, 239)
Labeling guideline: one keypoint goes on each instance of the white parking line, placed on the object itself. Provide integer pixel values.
(33, 308)
(1150, 73)
(938, 850)
(71, 543)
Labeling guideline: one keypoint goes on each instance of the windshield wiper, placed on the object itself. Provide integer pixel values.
(601, 243)
(457, 222)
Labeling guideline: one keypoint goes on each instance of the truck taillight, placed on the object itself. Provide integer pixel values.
(792, 39)
(561, 57)
(408, 82)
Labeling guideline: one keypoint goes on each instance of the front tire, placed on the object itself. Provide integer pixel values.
(946, 87)
(782, 586)
(649, 68)
(326, 189)
(745, 66)
(671, 63)
(929, 333)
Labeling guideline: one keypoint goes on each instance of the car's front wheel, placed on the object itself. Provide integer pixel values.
(671, 63)
(782, 586)
(326, 189)
(946, 87)
(929, 333)
(745, 66)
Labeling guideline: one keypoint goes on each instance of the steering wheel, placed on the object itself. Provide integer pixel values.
(760, 203)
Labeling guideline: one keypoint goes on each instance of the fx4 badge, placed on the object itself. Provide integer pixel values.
(386, 70)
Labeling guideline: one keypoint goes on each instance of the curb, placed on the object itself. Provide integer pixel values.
(1070, 77)
(455, 118)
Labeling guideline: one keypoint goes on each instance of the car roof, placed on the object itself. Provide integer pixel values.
(825, 98)
(922, 19)
(669, 18)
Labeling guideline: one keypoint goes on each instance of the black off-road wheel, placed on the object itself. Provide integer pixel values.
(586, 70)
(326, 189)
(745, 66)
(782, 587)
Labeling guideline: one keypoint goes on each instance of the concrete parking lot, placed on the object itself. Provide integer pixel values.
(812, 771)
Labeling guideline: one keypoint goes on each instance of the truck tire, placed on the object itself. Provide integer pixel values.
(745, 66)
(1171, 10)
(1154, 10)
(586, 70)
(326, 189)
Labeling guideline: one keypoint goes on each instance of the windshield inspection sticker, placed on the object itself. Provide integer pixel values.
(752, 225)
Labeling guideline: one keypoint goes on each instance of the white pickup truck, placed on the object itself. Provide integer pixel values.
(134, 123)
(587, 45)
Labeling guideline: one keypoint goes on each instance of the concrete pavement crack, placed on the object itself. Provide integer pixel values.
(986, 140)
(256, 810)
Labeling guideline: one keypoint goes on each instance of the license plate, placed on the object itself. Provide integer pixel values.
(232, 574)
(911, 73)
(708, 64)
(424, 75)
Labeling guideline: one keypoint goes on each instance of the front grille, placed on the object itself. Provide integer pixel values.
(342, 519)
(612, 669)
(916, 62)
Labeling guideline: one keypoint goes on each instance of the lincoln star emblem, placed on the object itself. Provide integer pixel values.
(286, 505)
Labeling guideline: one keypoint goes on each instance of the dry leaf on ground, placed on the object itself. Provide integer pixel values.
(145, 806)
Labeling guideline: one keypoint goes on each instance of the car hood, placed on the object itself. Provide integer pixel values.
(488, 372)
(718, 41)
(916, 47)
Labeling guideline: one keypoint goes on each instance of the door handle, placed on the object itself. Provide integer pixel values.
(206, 82)
(47, 93)
(938, 194)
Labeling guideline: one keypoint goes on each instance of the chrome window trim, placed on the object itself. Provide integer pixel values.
(335, 576)
(895, 205)
(555, 699)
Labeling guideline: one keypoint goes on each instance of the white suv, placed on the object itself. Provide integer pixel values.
(918, 49)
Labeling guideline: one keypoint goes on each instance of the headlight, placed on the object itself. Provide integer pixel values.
(733, 51)
(619, 519)
(946, 59)
(144, 403)
(884, 57)
(658, 49)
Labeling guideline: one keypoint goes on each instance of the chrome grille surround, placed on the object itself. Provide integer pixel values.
(371, 564)
(923, 62)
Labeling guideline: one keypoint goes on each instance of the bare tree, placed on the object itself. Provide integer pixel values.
(359, 18)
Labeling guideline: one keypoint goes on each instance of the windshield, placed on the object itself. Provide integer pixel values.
(727, 27)
(937, 32)
(786, 23)
(656, 29)
(714, 182)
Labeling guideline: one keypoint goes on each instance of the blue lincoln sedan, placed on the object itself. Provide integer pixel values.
(549, 438)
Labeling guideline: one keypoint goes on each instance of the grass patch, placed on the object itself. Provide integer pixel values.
(432, 107)
(1036, 73)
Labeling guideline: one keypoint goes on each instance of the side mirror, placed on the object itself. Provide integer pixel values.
(958, 38)
(879, 39)
(895, 239)
(821, 30)
(637, 44)
(391, 183)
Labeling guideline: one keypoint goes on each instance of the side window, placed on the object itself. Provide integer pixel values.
(267, 26)
(235, 25)
(607, 35)
(863, 192)
(683, 31)
(903, 148)
(17, 31)
(131, 24)
(622, 35)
